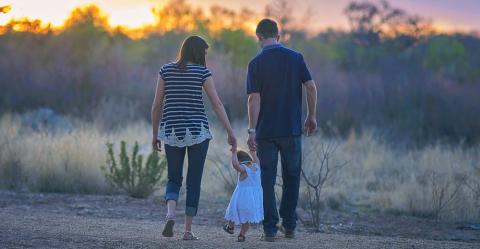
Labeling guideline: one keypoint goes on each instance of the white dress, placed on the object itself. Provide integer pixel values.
(246, 204)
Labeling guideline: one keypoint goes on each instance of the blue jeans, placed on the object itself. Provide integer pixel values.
(290, 149)
(196, 161)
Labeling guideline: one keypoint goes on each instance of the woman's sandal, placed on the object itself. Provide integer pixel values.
(187, 235)
(241, 238)
(227, 228)
(168, 228)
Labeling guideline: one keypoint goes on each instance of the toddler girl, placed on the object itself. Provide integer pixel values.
(246, 204)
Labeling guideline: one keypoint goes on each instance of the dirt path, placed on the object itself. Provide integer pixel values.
(27, 221)
(45, 230)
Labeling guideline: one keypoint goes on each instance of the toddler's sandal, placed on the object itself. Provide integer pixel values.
(241, 238)
(189, 236)
(227, 228)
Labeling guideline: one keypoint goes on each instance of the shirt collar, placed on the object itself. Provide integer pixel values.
(272, 46)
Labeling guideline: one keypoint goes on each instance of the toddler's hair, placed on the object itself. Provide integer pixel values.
(243, 156)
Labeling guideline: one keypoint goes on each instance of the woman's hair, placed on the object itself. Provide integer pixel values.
(243, 156)
(192, 50)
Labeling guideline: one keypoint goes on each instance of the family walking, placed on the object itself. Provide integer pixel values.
(276, 76)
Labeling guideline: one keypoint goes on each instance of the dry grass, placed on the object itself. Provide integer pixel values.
(429, 182)
(61, 161)
(438, 181)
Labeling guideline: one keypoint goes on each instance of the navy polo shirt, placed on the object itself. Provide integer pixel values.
(278, 73)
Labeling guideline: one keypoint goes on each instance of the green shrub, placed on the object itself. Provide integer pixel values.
(131, 176)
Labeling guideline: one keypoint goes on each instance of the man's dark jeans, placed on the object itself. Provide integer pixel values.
(196, 161)
(290, 149)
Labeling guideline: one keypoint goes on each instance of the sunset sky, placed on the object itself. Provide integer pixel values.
(447, 15)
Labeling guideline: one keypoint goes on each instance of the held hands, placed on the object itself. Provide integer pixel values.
(310, 125)
(232, 141)
(252, 142)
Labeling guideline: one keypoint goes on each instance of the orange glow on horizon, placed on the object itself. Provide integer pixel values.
(135, 18)
(165, 18)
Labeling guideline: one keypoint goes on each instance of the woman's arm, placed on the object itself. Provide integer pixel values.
(217, 106)
(156, 113)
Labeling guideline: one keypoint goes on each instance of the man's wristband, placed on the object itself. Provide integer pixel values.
(251, 130)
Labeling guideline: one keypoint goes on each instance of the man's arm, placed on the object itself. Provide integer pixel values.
(253, 109)
(311, 121)
(253, 112)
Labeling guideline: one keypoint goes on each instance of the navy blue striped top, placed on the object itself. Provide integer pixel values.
(184, 122)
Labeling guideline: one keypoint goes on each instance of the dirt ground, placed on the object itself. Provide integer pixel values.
(29, 220)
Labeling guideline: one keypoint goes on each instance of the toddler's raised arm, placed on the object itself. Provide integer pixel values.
(236, 165)
(254, 156)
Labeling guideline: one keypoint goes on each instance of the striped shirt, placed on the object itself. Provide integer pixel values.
(184, 122)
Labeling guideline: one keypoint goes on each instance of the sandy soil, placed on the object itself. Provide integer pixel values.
(86, 221)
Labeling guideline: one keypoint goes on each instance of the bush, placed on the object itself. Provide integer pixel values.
(130, 176)
(224, 172)
(317, 170)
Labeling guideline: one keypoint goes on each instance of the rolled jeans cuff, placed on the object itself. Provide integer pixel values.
(171, 196)
(191, 211)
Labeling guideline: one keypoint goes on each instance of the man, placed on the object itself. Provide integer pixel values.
(274, 87)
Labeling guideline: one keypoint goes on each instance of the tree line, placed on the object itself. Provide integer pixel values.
(391, 71)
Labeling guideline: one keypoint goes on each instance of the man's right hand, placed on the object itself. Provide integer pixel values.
(310, 125)
(252, 141)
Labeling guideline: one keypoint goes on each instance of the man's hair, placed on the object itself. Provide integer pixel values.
(267, 28)
(243, 156)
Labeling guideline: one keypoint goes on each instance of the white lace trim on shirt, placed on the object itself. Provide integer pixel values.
(188, 140)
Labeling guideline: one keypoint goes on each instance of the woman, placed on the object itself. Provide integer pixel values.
(184, 126)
